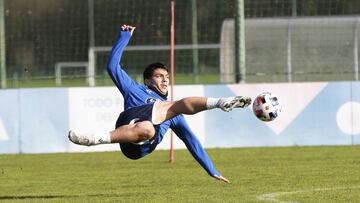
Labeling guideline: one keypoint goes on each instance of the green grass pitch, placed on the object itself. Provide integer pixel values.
(271, 174)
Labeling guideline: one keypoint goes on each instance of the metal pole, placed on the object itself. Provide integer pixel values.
(289, 45)
(289, 40)
(91, 69)
(2, 46)
(294, 8)
(240, 63)
(356, 55)
(195, 50)
(172, 65)
(91, 24)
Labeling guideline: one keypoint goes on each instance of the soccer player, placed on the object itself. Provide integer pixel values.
(148, 116)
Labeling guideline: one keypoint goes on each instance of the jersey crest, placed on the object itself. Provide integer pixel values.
(150, 100)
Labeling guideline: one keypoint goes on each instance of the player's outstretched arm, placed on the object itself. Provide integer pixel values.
(183, 131)
(121, 79)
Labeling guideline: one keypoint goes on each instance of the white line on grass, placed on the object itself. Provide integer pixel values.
(273, 197)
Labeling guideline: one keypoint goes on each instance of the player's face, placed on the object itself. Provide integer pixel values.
(160, 80)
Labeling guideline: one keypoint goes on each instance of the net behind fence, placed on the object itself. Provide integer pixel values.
(296, 49)
(286, 40)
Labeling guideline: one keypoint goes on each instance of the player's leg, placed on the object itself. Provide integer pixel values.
(130, 131)
(192, 105)
(135, 132)
(132, 125)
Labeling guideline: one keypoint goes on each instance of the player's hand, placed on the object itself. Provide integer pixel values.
(221, 178)
(128, 28)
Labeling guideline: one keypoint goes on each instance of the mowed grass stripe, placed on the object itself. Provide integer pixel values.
(110, 177)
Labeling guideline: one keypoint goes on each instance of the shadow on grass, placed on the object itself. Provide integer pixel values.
(46, 196)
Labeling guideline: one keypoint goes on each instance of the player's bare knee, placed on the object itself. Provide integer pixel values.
(146, 130)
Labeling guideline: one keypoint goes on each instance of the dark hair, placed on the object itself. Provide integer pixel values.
(149, 70)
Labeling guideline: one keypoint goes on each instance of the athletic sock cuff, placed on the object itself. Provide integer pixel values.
(103, 138)
(212, 103)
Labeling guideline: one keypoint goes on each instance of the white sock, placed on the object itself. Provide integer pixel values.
(212, 103)
(102, 138)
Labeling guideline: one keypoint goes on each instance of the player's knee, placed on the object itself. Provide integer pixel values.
(146, 130)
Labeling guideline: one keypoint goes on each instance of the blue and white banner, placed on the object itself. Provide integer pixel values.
(312, 114)
(320, 113)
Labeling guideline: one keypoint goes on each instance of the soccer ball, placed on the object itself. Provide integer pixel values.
(266, 107)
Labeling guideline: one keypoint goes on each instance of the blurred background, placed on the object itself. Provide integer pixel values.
(46, 43)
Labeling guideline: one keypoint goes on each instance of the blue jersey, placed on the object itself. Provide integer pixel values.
(136, 94)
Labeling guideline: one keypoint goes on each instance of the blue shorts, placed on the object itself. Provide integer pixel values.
(133, 115)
